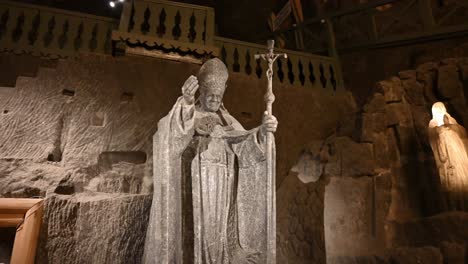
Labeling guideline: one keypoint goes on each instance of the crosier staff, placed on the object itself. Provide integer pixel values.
(270, 57)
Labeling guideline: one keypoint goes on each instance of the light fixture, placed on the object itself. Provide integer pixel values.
(112, 4)
(121, 1)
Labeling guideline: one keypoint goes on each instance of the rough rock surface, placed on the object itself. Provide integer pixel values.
(94, 228)
(78, 132)
(300, 233)
(383, 201)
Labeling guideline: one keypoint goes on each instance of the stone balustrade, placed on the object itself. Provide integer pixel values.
(50, 32)
(168, 25)
(300, 69)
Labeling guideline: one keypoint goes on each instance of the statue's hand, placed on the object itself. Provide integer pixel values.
(269, 123)
(189, 89)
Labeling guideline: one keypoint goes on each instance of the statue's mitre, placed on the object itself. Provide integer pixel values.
(213, 75)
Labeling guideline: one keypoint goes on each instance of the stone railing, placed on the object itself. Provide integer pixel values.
(149, 27)
(168, 25)
(299, 69)
(50, 32)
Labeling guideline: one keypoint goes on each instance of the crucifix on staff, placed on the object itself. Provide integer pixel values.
(270, 57)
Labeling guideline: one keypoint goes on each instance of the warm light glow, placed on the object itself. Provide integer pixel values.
(438, 113)
(447, 140)
(121, 1)
(112, 3)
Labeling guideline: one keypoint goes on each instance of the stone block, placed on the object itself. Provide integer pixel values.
(300, 233)
(392, 89)
(354, 221)
(376, 104)
(350, 159)
(372, 123)
(93, 228)
(399, 114)
(414, 91)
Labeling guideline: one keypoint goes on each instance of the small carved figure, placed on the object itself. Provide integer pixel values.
(448, 143)
(209, 204)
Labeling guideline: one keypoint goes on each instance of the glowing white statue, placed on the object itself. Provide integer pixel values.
(448, 143)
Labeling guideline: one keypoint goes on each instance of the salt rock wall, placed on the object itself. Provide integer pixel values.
(79, 133)
(383, 204)
(374, 188)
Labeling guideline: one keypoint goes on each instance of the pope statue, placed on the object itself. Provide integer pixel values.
(209, 203)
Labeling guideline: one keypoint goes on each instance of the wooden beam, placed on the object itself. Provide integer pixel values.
(11, 220)
(27, 236)
(16, 206)
(356, 9)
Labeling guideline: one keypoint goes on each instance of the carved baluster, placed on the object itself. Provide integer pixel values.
(154, 20)
(94, 38)
(192, 33)
(170, 18)
(74, 26)
(235, 60)
(49, 35)
(323, 79)
(42, 32)
(131, 19)
(145, 25)
(248, 62)
(4, 18)
(333, 81)
(34, 29)
(259, 67)
(107, 44)
(305, 72)
(291, 69)
(138, 18)
(88, 27)
(176, 29)
(301, 75)
(162, 28)
(280, 70)
(22, 43)
(185, 14)
(63, 39)
(61, 32)
(11, 23)
(18, 31)
(204, 31)
(79, 37)
(200, 20)
(242, 62)
(312, 74)
(210, 27)
(223, 55)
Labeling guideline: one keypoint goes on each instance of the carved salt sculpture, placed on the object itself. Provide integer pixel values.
(209, 203)
(448, 143)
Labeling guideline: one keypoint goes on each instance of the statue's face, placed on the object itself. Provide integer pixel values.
(438, 113)
(211, 100)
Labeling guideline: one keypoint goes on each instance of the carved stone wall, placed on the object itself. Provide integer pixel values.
(79, 133)
(383, 204)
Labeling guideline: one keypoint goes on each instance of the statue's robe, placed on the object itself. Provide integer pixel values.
(449, 145)
(209, 203)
